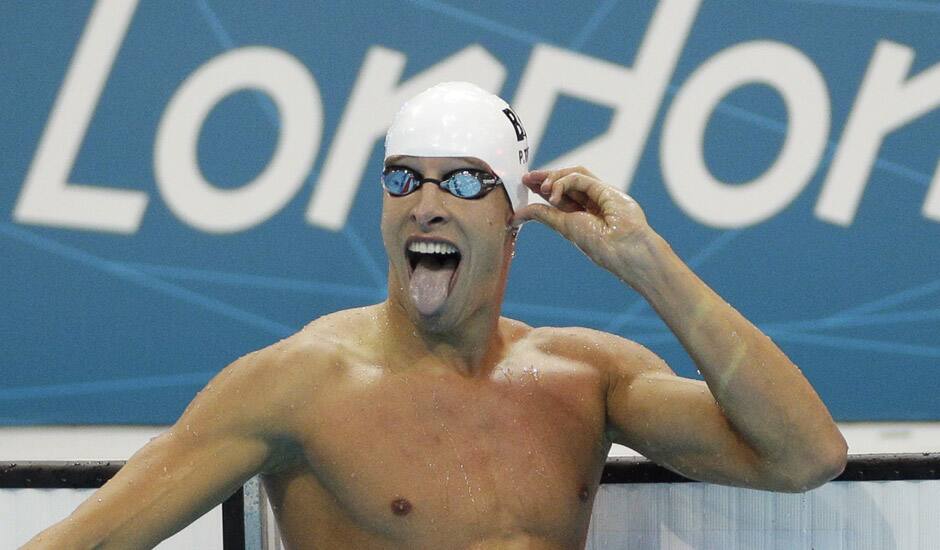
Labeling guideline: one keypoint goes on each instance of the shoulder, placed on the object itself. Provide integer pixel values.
(322, 346)
(280, 377)
(577, 340)
(334, 334)
(609, 352)
(265, 395)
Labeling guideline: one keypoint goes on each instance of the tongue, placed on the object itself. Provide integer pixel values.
(430, 284)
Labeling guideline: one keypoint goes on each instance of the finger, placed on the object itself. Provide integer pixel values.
(568, 198)
(550, 177)
(548, 183)
(558, 191)
(534, 179)
(577, 201)
(545, 188)
(585, 190)
(561, 172)
(582, 200)
(556, 175)
(548, 215)
(562, 200)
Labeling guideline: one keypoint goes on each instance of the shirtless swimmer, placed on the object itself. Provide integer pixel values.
(430, 421)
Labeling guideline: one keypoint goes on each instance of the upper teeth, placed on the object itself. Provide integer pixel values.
(432, 248)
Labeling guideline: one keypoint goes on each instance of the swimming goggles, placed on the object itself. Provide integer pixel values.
(465, 183)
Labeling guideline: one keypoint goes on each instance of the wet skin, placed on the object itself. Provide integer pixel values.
(382, 427)
(481, 434)
(421, 456)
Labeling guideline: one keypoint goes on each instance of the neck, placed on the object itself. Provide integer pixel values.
(471, 348)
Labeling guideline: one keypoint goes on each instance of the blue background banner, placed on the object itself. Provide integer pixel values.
(184, 182)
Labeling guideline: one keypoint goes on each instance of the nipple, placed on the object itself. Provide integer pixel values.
(401, 506)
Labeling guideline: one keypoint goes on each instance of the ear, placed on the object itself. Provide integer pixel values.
(511, 237)
(513, 229)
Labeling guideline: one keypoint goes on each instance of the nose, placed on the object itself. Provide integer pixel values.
(430, 211)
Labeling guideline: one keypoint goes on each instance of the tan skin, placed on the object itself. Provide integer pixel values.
(380, 427)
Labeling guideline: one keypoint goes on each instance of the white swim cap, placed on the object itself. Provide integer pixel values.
(460, 119)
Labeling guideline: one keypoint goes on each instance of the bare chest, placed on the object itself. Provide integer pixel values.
(518, 452)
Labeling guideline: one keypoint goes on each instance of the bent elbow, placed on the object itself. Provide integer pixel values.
(824, 474)
(823, 467)
(806, 467)
(834, 461)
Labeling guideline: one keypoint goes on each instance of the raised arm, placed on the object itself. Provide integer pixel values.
(755, 421)
(227, 434)
(770, 432)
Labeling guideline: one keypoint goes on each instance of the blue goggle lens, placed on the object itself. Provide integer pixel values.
(463, 184)
(399, 182)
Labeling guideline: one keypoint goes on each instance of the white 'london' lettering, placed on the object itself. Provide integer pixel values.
(885, 103)
(47, 197)
(633, 93)
(887, 100)
(291, 86)
(682, 153)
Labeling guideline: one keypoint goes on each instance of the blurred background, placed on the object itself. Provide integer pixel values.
(184, 182)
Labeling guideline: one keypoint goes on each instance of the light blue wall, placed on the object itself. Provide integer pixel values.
(107, 325)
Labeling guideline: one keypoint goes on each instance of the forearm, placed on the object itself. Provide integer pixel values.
(69, 533)
(165, 486)
(57, 536)
(761, 392)
(136, 508)
(93, 524)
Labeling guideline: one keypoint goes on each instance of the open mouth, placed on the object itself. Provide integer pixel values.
(433, 269)
(434, 255)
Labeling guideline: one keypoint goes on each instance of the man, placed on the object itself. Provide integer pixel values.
(430, 421)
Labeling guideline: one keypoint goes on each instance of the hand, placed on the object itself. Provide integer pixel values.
(606, 224)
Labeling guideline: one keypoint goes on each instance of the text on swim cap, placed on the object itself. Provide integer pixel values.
(516, 125)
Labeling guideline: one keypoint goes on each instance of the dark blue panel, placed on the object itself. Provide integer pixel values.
(101, 327)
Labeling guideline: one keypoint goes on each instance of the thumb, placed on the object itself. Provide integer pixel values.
(544, 213)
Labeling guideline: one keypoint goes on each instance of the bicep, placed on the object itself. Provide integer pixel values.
(677, 423)
(220, 441)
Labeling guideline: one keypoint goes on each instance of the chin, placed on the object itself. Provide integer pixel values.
(441, 321)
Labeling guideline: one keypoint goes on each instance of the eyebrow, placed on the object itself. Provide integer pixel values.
(463, 162)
